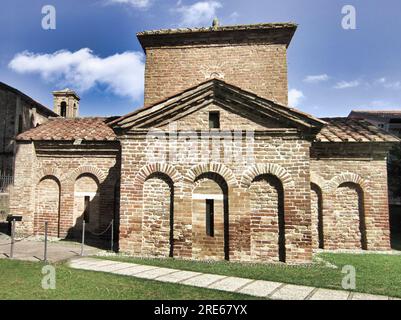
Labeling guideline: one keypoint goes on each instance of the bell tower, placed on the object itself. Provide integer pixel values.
(66, 103)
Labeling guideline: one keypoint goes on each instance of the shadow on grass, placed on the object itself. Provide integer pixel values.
(396, 240)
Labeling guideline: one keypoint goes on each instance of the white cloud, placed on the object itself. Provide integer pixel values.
(141, 4)
(316, 78)
(234, 17)
(381, 81)
(199, 13)
(394, 85)
(346, 84)
(381, 104)
(122, 74)
(391, 85)
(294, 97)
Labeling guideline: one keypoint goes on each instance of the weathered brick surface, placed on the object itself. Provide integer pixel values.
(289, 161)
(44, 170)
(157, 214)
(352, 189)
(16, 112)
(47, 206)
(259, 68)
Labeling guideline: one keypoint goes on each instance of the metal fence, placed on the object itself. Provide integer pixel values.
(5, 182)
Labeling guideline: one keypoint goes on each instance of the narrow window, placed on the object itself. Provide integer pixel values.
(63, 109)
(87, 208)
(210, 218)
(214, 120)
(20, 124)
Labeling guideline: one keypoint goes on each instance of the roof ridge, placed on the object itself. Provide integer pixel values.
(284, 111)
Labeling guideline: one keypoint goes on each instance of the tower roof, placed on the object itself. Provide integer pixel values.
(66, 92)
(281, 33)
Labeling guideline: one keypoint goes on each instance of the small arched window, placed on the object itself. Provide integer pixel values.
(63, 109)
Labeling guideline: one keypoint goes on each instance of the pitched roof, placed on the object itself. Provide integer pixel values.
(352, 130)
(375, 114)
(222, 93)
(40, 107)
(61, 129)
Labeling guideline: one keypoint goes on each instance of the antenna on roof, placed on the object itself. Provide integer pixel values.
(215, 23)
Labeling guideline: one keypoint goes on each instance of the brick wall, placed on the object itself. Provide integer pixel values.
(157, 215)
(266, 208)
(352, 187)
(77, 170)
(47, 206)
(285, 156)
(259, 68)
(13, 110)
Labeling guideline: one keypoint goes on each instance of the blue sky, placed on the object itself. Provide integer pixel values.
(95, 51)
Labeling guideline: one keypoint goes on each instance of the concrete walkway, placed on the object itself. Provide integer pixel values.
(257, 288)
(33, 250)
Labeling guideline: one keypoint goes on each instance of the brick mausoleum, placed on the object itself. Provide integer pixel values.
(310, 182)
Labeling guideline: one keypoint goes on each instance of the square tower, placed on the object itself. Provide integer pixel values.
(66, 103)
(252, 57)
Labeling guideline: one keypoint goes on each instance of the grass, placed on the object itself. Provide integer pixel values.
(375, 273)
(22, 280)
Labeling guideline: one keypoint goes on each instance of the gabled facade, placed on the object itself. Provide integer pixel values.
(18, 113)
(214, 170)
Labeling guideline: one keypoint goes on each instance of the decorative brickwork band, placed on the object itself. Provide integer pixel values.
(271, 168)
(48, 172)
(333, 184)
(86, 170)
(318, 181)
(218, 168)
(151, 168)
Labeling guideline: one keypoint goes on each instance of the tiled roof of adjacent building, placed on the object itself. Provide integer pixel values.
(375, 114)
(352, 130)
(98, 129)
(40, 107)
(61, 129)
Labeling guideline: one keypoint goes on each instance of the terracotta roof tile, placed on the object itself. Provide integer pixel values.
(91, 129)
(352, 130)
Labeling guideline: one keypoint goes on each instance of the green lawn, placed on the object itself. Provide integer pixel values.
(375, 273)
(22, 280)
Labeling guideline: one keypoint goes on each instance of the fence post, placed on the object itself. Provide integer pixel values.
(83, 237)
(12, 238)
(45, 253)
(112, 235)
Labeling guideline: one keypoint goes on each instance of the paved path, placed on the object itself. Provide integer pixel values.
(257, 288)
(33, 250)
